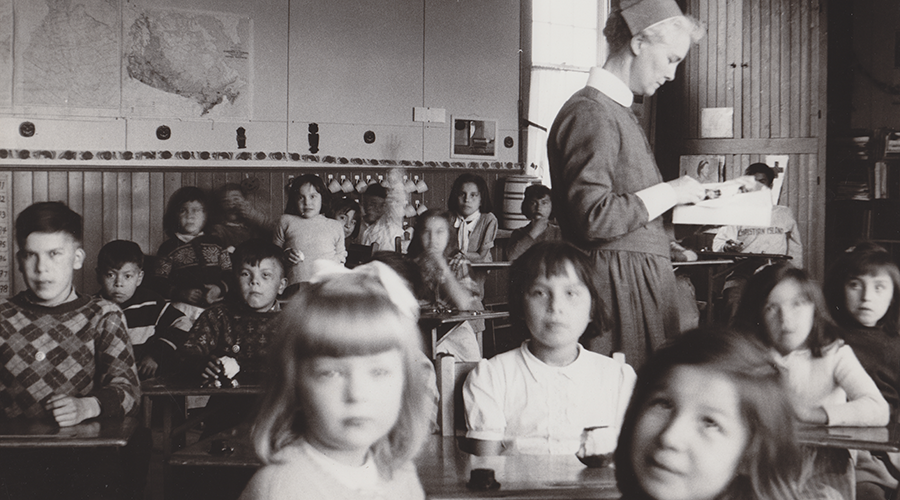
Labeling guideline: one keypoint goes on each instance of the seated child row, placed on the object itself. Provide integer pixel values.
(360, 327)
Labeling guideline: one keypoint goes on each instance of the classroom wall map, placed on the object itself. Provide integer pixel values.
(67, 53)
(186, 64)
(118, 55)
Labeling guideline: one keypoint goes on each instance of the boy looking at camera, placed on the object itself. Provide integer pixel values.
(155, 327)
(62, 354)
(238, 328)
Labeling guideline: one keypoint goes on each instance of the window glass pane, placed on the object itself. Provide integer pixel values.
(584, 13)
(583, 47)
(562, 12)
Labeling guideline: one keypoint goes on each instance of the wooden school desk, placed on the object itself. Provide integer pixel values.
(875, 439)
(444, 470)
(94, 433)
(432, 319)
(163, 391)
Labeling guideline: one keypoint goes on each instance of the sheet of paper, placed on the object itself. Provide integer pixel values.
(734, 209)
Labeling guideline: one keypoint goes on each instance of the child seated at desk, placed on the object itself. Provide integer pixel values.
(64, 356)
(862, 291)
(538, 399)
(446, 283)
(192, 268)
(155, 327)
(709, 420)
(785, 310)
(538, 208)
(238, 328)
(346, 408)
(781, 237)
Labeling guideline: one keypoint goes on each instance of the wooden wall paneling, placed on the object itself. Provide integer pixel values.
(74, 182)
(765, 67)
(110, 217)
(722, 69)
(57, 186)
(92, 215)
(805, 84)
(746, 60)
(172, 181)
(784, 112)
(40, 186)
(157, 207)
(796, 91)
(704, 57)
(733, 79)
(754, 70)
(775, 64)
(123, 206)
(140, 209)
(692, 79)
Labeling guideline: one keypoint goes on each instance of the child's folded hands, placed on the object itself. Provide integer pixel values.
(69, 410)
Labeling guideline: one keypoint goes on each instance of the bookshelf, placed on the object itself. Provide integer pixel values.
(864, 190)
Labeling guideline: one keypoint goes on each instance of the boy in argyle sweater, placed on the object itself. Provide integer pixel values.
(63, 355)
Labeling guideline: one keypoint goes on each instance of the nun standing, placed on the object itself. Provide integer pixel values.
(610, 193)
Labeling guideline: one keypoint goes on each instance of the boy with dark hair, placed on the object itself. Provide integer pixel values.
(100, 376)
(155, 327)
(64, 356)
(239, 327)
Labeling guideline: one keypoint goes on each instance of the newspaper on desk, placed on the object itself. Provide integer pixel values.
(736, 202)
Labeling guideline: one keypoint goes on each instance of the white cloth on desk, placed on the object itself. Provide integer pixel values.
(536, 409)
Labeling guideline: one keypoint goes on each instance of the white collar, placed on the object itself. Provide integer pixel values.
(536, 366)
(611, 85)
(360, 478)
(187, 238)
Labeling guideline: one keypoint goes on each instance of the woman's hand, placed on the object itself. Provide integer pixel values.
(687, 190)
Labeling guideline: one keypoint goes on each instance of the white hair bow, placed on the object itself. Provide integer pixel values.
(396, 288)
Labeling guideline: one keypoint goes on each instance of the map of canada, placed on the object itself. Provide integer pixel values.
(67, 53)
(187, 64)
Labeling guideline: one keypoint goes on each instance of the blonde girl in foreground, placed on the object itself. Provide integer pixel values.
(346, 407)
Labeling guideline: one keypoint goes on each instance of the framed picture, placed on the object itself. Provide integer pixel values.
(473, 138)
(708, 169)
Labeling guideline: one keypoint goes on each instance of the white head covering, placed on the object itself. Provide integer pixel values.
(641, 14)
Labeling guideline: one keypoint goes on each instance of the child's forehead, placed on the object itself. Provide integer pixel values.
(264, 263)
(126, 267)
(40, 239)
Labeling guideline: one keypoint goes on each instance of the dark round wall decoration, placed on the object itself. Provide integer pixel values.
(26, 129)
(163, 132)
(369, 137)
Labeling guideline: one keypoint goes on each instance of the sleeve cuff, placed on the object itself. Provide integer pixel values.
(657, 199)
(484, 435)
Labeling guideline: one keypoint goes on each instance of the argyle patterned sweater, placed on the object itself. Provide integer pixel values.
(79, 348)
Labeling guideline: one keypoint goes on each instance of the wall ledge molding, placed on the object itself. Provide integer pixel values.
(25, 158)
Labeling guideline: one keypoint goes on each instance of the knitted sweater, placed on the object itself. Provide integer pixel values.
(316, 238)
(182, 267)
(879, 354)
(230, 329)
(79, 348)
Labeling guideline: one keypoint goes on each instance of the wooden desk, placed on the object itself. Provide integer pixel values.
(444, 470)
(853, 438)
(490, 265)
(431, 319)
(163, 390)
(94, 433)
